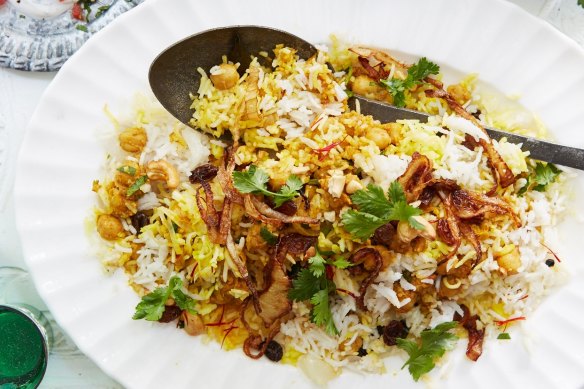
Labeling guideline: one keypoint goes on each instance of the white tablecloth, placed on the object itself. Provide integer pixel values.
(19, 94)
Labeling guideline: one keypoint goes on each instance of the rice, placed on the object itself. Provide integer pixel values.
(302, 126)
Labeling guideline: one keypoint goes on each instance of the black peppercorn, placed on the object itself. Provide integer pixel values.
(361, 352)
(550, 262)
(274, 351)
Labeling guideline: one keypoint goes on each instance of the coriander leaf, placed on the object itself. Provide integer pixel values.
(152, 305)
(433, 345)
(372, 201)
(288, 191)
(253, 180)
(270, 238)
(505, 335)
(403, 211)
(81, 27)
(317, 264)
(544, 175)
(396, 193)
(136, 185)
(422, 69)
(416, 74)
(321, 313)
(304, 286)
(581, 3)
(129, 170)
(361, 225)
(341, 263)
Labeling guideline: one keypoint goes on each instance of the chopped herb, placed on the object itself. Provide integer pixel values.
(129, 170)
(101, 10)
(581, 3)
(174, 227)
(541, 176)
(375, 210)
(81, 27)
(152, 305)
(270, 238)
(433, 345)
(416, 74)
(255, 181)
(504, 336)
(312, 284)
(136, 185)
(545, 175)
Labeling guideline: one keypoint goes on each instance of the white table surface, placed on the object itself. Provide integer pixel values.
(20, 93)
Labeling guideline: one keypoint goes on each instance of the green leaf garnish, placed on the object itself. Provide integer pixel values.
(255, 181)
(313, 285)
(540, 178)
(129, 170)
(270, 238)
(375, 210)
(504, 336)
(153, 304)
(416, 74)
(433, 345)
(81, 27)
(136, 185)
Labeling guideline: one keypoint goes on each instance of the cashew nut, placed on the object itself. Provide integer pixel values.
(163, 171)
(353, 184)
(406, 233)
(133, 139)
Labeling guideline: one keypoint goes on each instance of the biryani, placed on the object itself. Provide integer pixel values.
(298, 229)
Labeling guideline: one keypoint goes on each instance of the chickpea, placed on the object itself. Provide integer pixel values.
(109, 227)
(133, 139)
(123, 178)
(459, 93)
(365, 86)
(225, 76)
(379, 136)
(510, 262)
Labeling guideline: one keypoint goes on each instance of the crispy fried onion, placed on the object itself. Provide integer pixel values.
(474, 349)
(255, 341)
(417, 176)
(448, 229)
(359, 257)
(242, 269)
(271, 216)
(504, 176)
(377, 64)
(471, 237)
(469, 205)
(293, 243)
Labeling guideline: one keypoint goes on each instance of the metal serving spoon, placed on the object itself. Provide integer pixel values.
(173, 76)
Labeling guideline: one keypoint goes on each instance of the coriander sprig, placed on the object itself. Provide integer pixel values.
(540, 178)
(312, 284)
(375, 210)
(416, 74)
(255, 181)
(433, 345)
(153, 304)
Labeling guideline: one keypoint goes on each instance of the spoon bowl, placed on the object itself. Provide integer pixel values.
(173, 74)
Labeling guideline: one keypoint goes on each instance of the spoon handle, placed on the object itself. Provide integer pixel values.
(538, 149)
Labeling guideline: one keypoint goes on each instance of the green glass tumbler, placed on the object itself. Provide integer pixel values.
(24, 347)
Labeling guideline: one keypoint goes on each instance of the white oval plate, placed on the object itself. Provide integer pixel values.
(60, 158)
